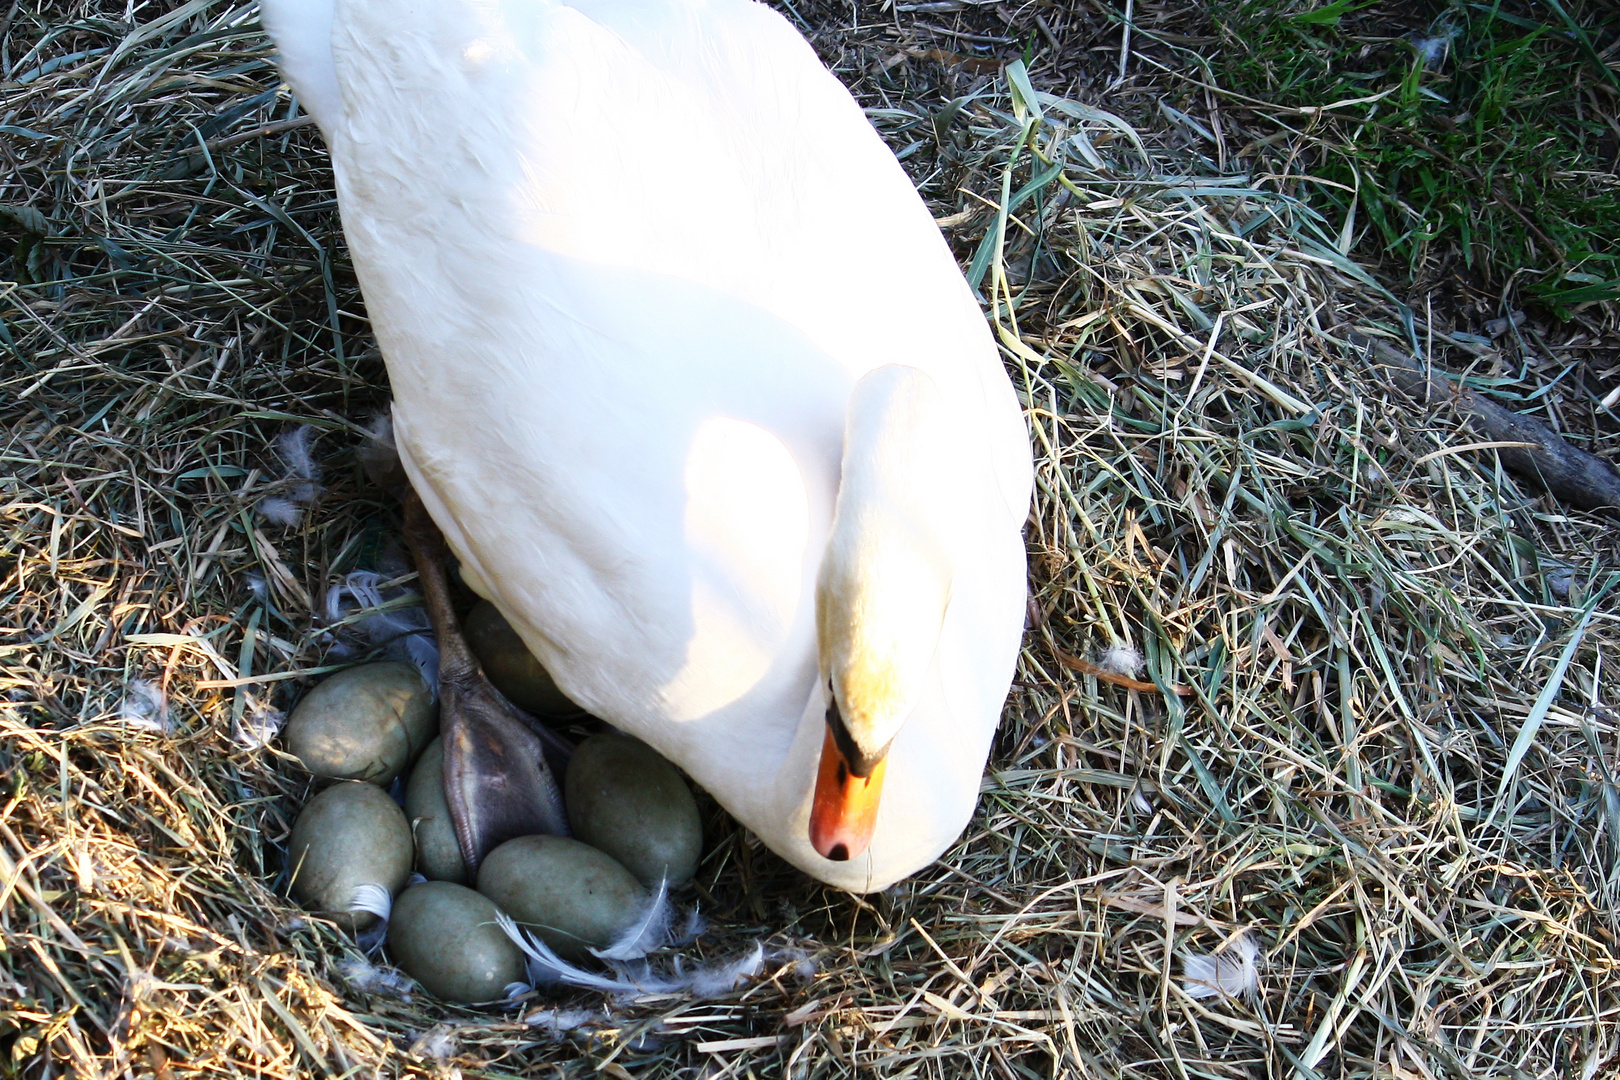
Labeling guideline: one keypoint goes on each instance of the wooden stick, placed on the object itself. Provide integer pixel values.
(1097, 671)
(1037, 619)
(1538, 453)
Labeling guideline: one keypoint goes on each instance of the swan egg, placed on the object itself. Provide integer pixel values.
(572, 895)
(626, 800)
(438, 854)
(349, 835)
(510, 666)
(365, 723)
(445, 937)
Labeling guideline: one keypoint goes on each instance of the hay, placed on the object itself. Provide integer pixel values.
(1393, 775)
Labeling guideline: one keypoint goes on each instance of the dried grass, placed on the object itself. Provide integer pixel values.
(1394, 770)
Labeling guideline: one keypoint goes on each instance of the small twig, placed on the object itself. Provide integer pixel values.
(1086, 667)
(1125, 41)
(160, 1061)
(263, 131)
(192, 159)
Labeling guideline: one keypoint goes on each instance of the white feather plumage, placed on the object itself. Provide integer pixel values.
(301, 484)
(284, 512)
(144, 707)
(648, 934)
(374, 900)
(404, 633)
(1120, 659)
(1233, 971)
(632, 977)
(296, 449)
(369, 978)
(558, 1023)
(259, 725)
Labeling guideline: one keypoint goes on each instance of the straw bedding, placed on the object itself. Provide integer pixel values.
(1376, 773)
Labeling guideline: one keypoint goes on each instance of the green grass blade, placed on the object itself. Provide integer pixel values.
(1538, 711)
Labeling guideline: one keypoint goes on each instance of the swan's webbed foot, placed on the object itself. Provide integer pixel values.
(497, 781)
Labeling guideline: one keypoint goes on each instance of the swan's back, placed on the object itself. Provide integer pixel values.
(625, 260)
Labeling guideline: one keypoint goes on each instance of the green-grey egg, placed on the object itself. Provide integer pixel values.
(349, 835)
(626, 800)
(575, 897)
(509, 664)
(438, 854)
(366, 723)
(444, 936)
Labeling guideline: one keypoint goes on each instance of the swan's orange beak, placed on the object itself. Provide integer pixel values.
(845, 808)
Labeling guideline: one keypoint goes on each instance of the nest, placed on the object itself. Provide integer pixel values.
(1356, 817)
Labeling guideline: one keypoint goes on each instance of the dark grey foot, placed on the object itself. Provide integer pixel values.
(496, 778)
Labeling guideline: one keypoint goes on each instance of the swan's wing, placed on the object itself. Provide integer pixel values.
(696, 140)
(302, 32)
(699, 141)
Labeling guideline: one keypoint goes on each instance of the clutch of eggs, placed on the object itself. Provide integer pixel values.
(634, 820)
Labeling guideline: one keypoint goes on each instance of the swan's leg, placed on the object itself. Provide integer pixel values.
(496, 780)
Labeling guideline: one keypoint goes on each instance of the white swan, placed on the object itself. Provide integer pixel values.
(685, 372)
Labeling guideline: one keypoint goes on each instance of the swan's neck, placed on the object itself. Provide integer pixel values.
(885, 579)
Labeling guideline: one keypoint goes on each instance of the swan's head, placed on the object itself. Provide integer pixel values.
(881, 594)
